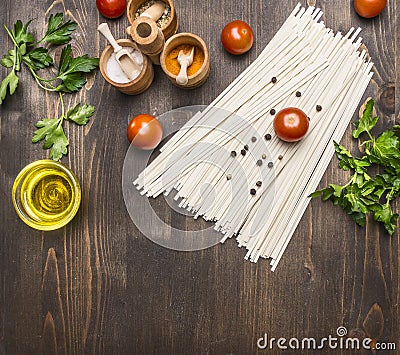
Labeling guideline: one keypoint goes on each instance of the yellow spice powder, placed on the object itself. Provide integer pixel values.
(172, 64)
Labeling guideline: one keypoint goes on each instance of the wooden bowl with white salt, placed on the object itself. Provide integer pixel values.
(114, 75)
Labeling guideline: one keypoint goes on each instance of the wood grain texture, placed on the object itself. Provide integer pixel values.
(98, 286)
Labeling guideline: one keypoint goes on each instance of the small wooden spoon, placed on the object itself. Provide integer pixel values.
(185, 60)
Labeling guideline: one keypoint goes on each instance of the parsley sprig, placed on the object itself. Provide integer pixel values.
(363, 193)
(70, 77)
(51, 129)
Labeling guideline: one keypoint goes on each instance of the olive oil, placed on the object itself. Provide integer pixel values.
(46, 195)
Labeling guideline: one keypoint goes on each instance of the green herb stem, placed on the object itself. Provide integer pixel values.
(11, 35)
(39, 81)
(62, 105)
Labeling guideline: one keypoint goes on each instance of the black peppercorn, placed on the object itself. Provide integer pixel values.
(274, 80)
(253, 139)
(233, 154)
(246, 147)
(270, 164)
(259, 183)
(259, 162)
(318, 108)
(253, 192)
(298, 93)
(272, 112)
(268, 137)
(243, 152)
(280, 157)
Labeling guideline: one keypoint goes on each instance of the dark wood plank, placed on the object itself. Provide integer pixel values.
(98, 286)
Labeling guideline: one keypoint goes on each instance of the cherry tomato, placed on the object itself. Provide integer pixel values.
(144, 132)
(237, 37)
(291, 124)
(369, 8)
(111, 8)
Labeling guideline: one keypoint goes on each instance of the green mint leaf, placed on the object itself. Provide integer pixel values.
(58, 32)
(20, 33)
(39, 58)
(51, 131)
(366, 123)
(10, 82)
(387, 217)
(80, 114)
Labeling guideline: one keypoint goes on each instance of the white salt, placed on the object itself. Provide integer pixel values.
(115, 72)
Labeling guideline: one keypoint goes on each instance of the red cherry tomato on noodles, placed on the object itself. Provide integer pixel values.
(237, 37)
(111, 8)
(369, 8)
(144, 132)
(291, 124)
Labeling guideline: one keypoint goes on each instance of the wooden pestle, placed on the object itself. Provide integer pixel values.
(155, 11)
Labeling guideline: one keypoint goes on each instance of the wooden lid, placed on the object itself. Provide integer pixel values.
(144, 31)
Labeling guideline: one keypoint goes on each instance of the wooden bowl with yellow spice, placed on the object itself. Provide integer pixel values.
(198, 71)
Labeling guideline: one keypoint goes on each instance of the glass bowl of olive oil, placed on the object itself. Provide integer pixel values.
(46, 195)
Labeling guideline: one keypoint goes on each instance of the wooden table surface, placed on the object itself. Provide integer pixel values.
(98, 286)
